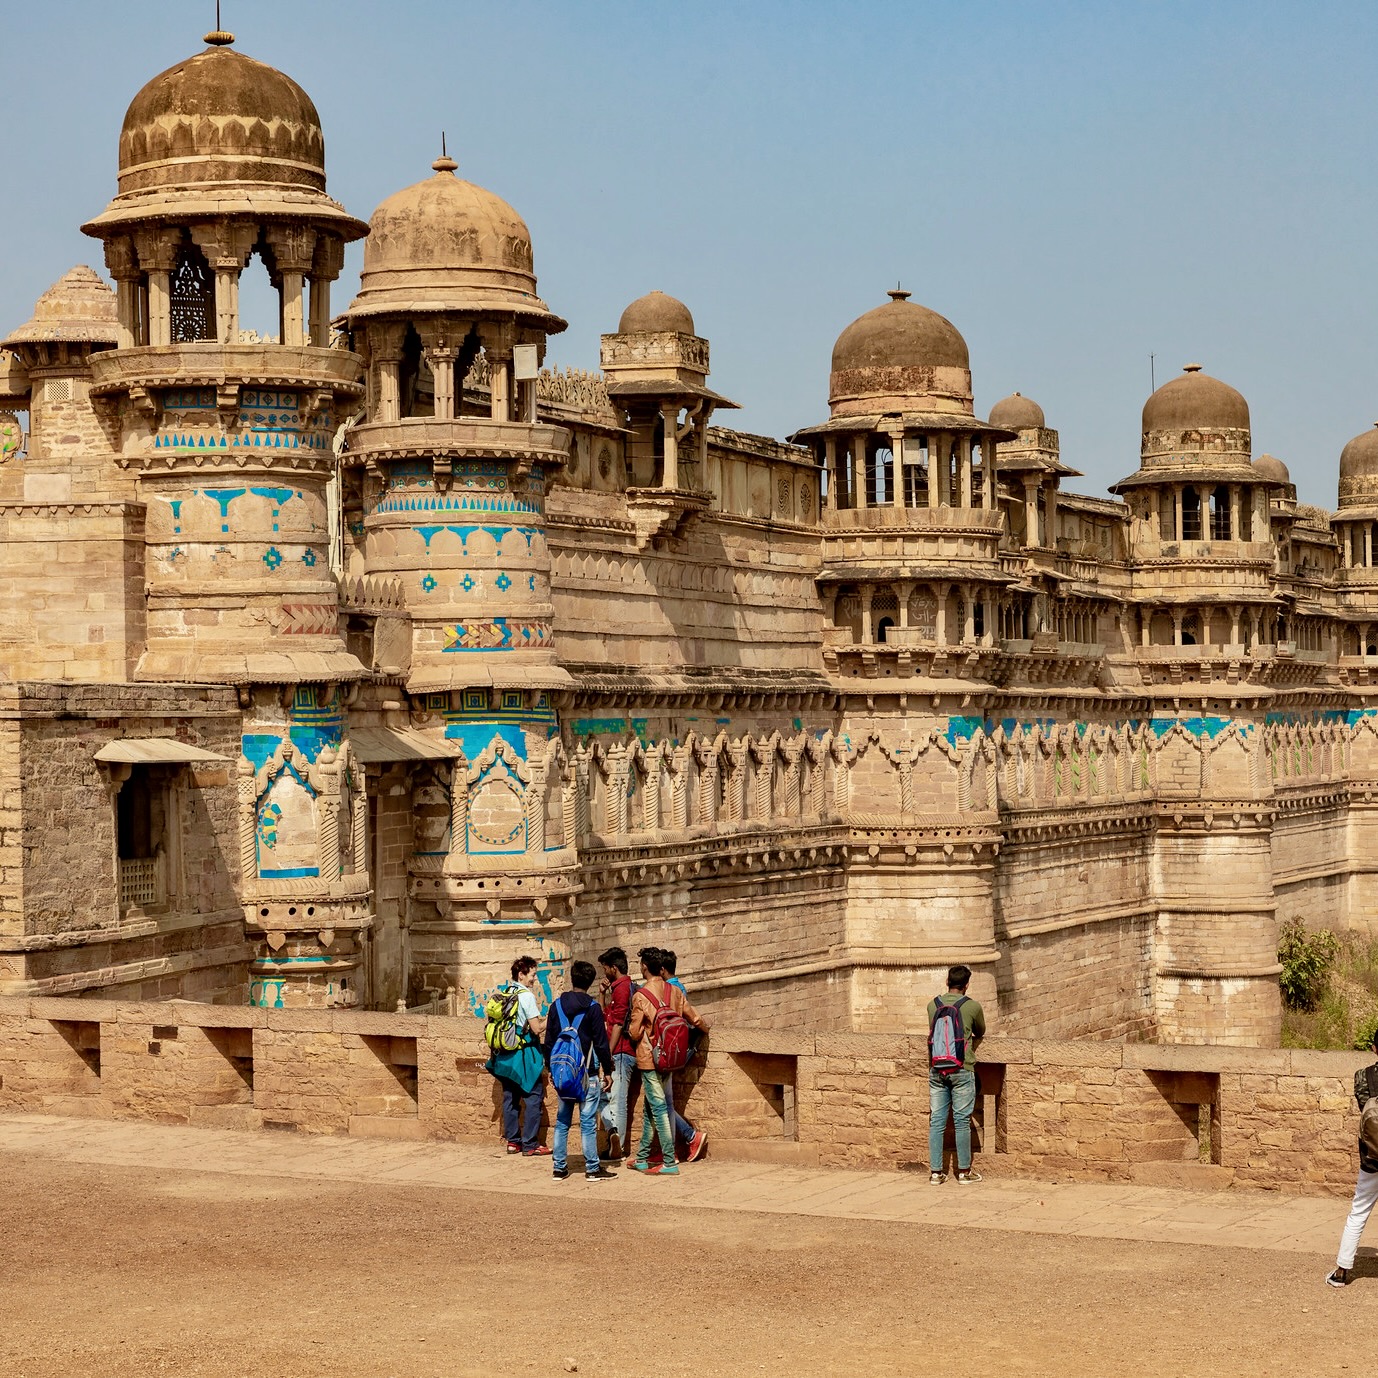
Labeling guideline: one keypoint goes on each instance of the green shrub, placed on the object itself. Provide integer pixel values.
(1364, 1032)
(1307, 959)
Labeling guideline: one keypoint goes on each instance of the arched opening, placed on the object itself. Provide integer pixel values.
(883, 628)
(916, 472)
(1191, 515)
(1220, 515)
(415, 385)
(260, 302)
(880, 475)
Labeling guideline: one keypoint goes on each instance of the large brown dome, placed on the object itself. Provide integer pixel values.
(1196, 402)
(221, 116)
(656, 313)
(1018, 413)
(444, 244)
(900, 334)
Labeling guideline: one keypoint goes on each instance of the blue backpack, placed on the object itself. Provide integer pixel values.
(569, 1064)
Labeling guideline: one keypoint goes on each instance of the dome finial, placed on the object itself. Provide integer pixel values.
(897, 293)
(1191, 368)
(218, 38)
(444, 163)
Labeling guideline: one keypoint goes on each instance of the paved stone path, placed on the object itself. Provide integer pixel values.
(1222, 1218)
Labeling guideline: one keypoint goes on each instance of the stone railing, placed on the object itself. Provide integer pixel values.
(1090, 1111)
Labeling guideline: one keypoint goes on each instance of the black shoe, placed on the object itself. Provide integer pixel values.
(1339, 1278)
(560, 1173)
(602, 1175)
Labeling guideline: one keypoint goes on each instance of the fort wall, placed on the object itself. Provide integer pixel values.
(1079, 1110)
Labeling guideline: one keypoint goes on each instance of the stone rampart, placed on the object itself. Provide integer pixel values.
(1092, 1111)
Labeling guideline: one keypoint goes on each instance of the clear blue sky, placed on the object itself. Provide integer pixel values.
(1075, 185)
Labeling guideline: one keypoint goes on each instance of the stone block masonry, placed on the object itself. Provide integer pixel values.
(1085, 1111)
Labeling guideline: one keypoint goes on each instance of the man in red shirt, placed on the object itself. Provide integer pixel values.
(617, 1008)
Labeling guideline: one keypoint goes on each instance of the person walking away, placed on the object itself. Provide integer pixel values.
(617, 1011)
(693, 1141)
(513, 1032)
(1366, 1189)
(661, 1017)
(575, 1036)
(956, 1024)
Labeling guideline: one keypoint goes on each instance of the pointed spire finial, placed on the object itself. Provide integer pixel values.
(218, 38)
(444, 163)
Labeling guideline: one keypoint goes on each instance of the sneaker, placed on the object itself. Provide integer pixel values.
(560, 1173)
(614, 1145)
(936, 1179)
(637, 1165)
(968, 1178)
(697, 1144)
(665, 1170)
(540, 1151)
(602, 1175)
(514, 1148)
(1339, 1278)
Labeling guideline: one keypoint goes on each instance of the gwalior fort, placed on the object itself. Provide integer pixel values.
(341, 666)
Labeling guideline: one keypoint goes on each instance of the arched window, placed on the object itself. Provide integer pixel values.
(883, 629)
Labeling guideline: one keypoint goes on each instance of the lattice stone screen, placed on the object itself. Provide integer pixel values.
(139, 882)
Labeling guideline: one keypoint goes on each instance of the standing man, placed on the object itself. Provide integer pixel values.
(592, 1035)
(519, 1069)
(692, 1140)
(956, 1024)
(617, 1011)
(1366, 1191)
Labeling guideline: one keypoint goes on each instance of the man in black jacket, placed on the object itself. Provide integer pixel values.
(593, 1045)
(1366, 1192)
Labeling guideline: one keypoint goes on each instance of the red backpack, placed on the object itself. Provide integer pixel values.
(669, 1035)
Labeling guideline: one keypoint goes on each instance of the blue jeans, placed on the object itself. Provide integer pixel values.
(684, 1131)
(655, 1120)
(588, 1131)
(956, 1093)
(528, 1104)
(623, 1065)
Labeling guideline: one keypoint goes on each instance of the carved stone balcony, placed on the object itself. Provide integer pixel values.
(461, 439)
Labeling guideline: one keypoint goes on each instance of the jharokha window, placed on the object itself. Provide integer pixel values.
(192, 297)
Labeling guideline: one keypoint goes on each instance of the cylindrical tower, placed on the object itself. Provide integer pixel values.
(221, 158)
(450, 490)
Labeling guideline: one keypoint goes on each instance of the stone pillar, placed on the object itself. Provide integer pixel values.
(327, 262)
(935, 458)
(968, 616)
(830, 470)
(867, 593)
(1031, 511)
(940, 614)
(897, 468)
(1234, 512)
(294, 249)
(669, 415)
(1050, 507)
(1145, 625)
(902, 591)
(990, 499)
(858, 444)
(1234, 624)
(442, 361)
(964, 463)
(123, 263)
(1176, 626)
(1178, 532)
(1368, 545)
(227, 304)
(1205, 615)
(500, 384)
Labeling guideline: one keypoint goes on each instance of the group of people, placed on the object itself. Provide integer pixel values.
(649, 1029)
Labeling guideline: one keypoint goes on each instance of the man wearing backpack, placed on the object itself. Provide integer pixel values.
(513, 1032)
(617, 1012)
(661, 1018)
(956, 1024)
(693, 1140)
(576, 1035)
(1366, 1190)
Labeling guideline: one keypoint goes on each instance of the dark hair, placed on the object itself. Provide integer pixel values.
(615, 957)
(522, 965)
(668, 960)
(958, 978)
(654, 960)
(581, 975)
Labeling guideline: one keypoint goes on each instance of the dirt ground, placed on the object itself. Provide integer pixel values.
(134, 1272)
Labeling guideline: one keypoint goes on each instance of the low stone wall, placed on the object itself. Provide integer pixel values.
(1093, 1111)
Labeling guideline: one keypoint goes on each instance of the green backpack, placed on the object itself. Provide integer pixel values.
(503, 1032)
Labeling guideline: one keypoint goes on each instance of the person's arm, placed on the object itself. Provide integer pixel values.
(535, 1022)
(692, 1015)
(978, 1025)
(598, 1031)
(1361, 1086)
(548, 1037)
(637, 1027)
(616, 1017)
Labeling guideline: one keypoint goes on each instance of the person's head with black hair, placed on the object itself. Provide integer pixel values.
(615, 959)
(522, 967)
(581, 975)
(652, 961)
(668, 960)
(958, 978)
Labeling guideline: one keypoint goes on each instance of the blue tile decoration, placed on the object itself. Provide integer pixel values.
(272, 557)
(429, 583)
(503, 582)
